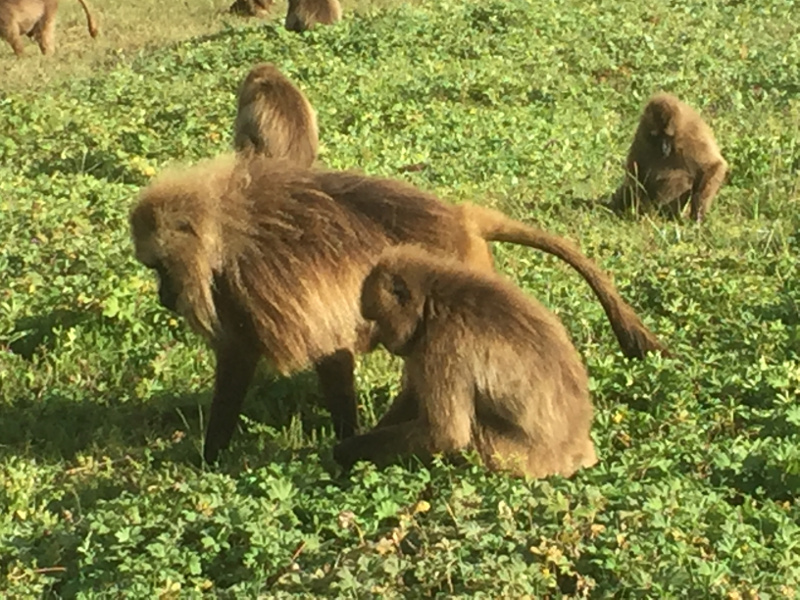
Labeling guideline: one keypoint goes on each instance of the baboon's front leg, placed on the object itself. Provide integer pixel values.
(236, 365)
(405, 407)
(337, 383)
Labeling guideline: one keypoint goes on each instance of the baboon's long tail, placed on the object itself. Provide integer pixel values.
(634, 337)
(90, 22)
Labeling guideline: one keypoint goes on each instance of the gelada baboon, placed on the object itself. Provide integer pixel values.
(304, 14)
(275, 118)
(36, 19)
(486, 368)
(673, 158)
(267, 259)
(251, 8)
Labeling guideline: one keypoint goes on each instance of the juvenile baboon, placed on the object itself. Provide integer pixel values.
(251, 8)
(304, 14)
(267, 259)
(275, 118)
(486, 368)
(673, 159)
(36, 19)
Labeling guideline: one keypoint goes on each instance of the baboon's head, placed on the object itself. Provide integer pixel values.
(660, 122)
(392, 297)
(174, 235)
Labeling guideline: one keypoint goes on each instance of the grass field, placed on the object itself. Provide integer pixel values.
(526, 106)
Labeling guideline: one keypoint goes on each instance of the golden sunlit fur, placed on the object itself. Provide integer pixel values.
(266, 258)
(673, 159)
(304, 14)
(486, 368)
(275, 118)
(36, 19)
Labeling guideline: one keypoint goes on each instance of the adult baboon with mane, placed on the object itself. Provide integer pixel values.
(268, 259)
(36, 19)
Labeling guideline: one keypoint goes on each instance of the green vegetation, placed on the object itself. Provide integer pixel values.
(528, 106)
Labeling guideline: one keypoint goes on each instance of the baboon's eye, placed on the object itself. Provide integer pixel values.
(185, 226)
(400, 290)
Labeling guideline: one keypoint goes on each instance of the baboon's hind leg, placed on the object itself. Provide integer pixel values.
(11, 34)
(707, 188)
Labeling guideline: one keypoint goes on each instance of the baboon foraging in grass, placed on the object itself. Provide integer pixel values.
(486, 368)
(304, 14)
(267, 259)
(251, 8)
(275, 118)
(36, 19)
(673, 158)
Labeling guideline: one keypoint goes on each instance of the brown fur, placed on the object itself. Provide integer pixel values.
(265, 258)
(673, 159)
(275, 118)
(251, 8)
(36, 19)
(487, 368)
(304, 14)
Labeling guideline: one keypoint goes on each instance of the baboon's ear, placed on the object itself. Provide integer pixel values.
(400, 290)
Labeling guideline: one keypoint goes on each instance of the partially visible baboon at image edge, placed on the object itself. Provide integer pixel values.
(486, 368)
(36, 19)
(267, 259)
(304, 14)
(251, 8)
(673, 159)
(275, 118)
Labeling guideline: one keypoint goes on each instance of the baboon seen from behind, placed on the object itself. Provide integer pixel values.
(275, 118)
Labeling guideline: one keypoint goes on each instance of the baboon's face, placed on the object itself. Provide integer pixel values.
(168, 289)
(185, 275)
(660, 127)
(387, 299)
(167, 294)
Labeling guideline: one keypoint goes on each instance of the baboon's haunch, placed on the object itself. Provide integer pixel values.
(275, 118)
(268, 259)
(36, 19)
(486, 368)
(673, 159)
(304, 14)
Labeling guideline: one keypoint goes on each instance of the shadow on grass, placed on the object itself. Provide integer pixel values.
(279, 414)
(30, 333)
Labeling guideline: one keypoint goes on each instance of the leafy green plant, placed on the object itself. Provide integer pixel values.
(527, 106)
